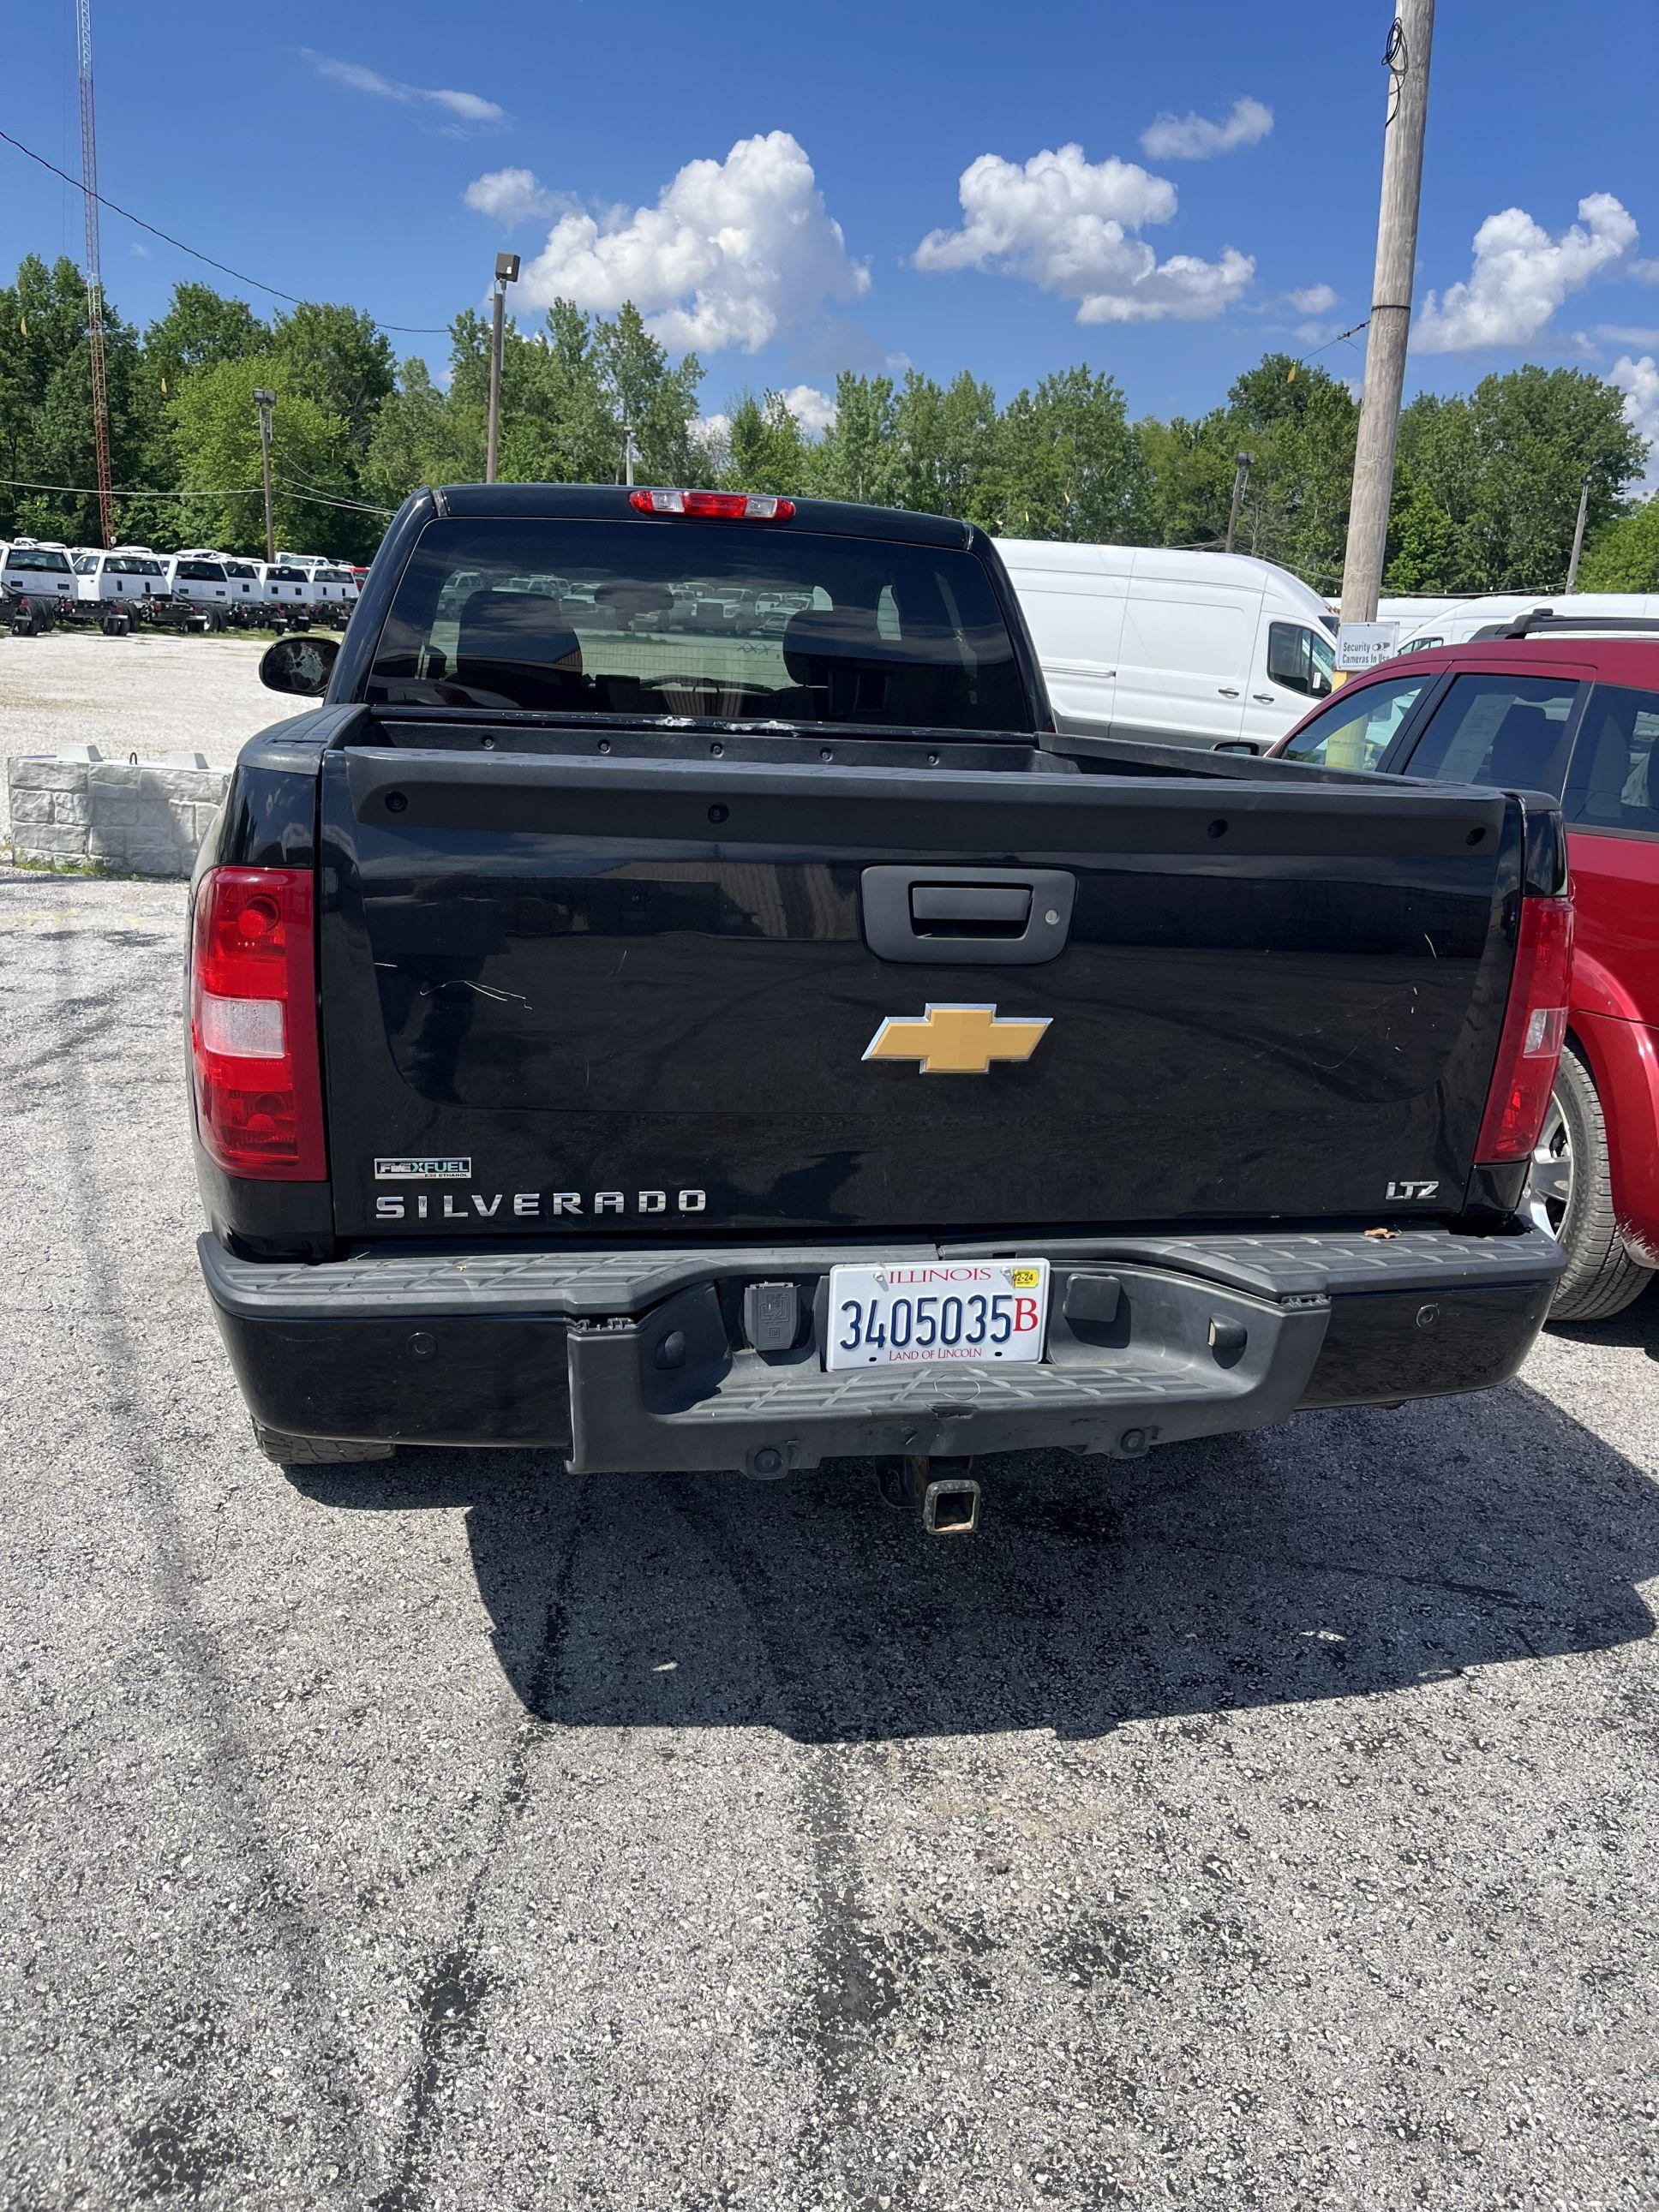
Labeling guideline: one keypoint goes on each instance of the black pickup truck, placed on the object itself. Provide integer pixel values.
(675, 1004)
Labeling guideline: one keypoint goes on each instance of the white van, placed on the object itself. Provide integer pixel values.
(36, 568)
(127, 573)
(1188, 648)
(1465, 619)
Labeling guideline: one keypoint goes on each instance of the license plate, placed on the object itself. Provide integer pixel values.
(915, 1313)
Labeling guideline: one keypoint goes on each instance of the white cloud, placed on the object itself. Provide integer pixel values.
(814, 410)
(468, 106)
(510, 195)
(1195, 138)
(734, 252)
(1638, 379)
(1063, 223)
(1313, 300)
(1522, 275)
(1644, 272)
(1628, 334)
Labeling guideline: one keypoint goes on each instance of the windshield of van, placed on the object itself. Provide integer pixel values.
(735, 621)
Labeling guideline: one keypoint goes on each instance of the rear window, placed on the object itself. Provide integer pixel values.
(733, 620)
(201, 572)
(37, 562)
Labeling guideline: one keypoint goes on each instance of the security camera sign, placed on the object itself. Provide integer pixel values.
(1360, 646)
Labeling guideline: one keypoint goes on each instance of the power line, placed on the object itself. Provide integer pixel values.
(137, 491)
(403, 329)
(218, 491)
(328, 499)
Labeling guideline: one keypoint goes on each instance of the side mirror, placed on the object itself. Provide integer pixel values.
(1240, 745)
(301, 663)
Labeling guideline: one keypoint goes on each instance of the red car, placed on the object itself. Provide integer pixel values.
(1562, 706)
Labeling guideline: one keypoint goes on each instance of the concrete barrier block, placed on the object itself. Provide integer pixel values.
(28, 805)
(152, 860)
(56, 840)
(36, 775)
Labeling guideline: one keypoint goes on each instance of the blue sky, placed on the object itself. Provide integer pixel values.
(331, 152)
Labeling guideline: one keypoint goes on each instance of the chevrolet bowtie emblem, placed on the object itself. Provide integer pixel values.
(956, 1040)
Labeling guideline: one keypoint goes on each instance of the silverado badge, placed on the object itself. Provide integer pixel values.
(956, 1040)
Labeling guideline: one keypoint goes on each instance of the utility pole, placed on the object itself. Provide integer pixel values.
(1578, 534)
(1406, 60)
(628, 453)
(1246, 462)
(264, 401)
(506, 272)
(95, 274)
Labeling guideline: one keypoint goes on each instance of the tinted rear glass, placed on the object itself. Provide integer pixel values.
(201, 572)
(735, 621)
(1506, 729)
(37, 561)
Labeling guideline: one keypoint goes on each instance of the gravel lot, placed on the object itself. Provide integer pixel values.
(148, 694)
(1270, 1824)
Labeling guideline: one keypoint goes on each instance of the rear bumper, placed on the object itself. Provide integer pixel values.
(636, 1360)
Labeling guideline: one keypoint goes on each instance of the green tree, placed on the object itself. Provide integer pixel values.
(1504, 464)
(201, 326)
(1067, 464)
(858, 457)
(340, 359)
(947, 439)
(1624, 557)
(765, 450)
(660, 403)
(216, 427)
(420, 438)
(1421, 539)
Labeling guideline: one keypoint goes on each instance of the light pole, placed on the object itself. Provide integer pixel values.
(628, 453)
(506, 272)
(264, 401)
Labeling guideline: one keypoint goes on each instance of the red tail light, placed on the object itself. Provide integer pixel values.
(1534, 1030)
(715, 506)
(253, 1025)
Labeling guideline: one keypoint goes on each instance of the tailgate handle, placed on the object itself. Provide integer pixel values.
(968, 917)
(993, 908)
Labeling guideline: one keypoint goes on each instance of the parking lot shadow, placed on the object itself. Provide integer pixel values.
(1636, 1328)
(1348, 1553)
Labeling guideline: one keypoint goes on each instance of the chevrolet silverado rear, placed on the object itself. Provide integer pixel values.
(676, 1003)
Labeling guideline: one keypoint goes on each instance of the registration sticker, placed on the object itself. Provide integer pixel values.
(977, 1312)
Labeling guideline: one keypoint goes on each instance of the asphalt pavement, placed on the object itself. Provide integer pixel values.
(1271, 1823)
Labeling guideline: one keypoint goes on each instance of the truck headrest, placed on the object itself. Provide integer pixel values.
(818, 641)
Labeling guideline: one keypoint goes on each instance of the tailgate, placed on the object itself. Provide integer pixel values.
(590, 995)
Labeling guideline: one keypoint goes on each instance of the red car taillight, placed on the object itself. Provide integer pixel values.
(253, 1025)
(715, 506)
(1534, 1030)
